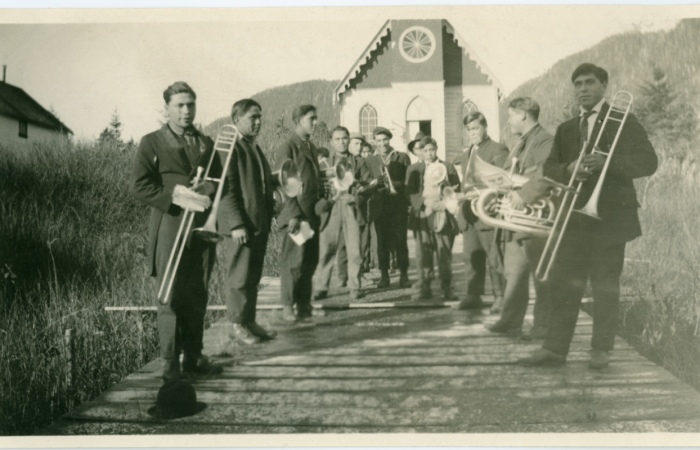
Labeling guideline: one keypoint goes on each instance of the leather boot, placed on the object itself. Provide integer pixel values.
(260, 332)
(198, 364)
(288, 314)
(403, 280)
(384, 280)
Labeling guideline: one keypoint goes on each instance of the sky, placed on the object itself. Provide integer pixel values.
(86, 66)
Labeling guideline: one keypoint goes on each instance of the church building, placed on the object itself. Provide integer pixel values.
(419, 75)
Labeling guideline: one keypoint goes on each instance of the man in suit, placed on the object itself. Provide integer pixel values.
(372, 172)
(340, 227)
(593, 249)
(245, 218)
(392, 219)
(479, 239)
(523, 251)
(298, 262)
(432, 233)
(165, 167)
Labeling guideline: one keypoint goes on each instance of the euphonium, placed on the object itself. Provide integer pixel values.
(493, 207)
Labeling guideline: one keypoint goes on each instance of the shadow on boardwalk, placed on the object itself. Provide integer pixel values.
(399, 370)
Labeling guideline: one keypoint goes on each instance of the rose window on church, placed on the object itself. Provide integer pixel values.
(417, 44)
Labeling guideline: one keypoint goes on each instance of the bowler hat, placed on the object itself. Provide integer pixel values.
(382, 130)
(357, 135)
(176, 398)
(420, 135)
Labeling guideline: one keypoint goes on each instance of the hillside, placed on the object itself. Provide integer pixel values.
(630, 59)
(279, 102)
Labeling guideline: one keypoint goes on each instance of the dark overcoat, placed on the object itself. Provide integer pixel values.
(303, 153)
(161, 163)
(244, 202)
(634, 157)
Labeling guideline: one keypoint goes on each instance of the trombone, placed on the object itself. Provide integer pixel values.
(618, 112)
(225, 142)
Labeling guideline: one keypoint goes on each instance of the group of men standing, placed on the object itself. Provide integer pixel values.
(392, 195)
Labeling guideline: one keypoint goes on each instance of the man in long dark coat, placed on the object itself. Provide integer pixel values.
(298, 262)
(593, 249)
(245, 218)
(165, 166)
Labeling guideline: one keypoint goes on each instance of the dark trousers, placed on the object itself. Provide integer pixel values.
(181, 320)
(581, 259)
(427, 243)
(245, 268)
(520, 261)
(479, 247)
(392, 234)
(297, 266)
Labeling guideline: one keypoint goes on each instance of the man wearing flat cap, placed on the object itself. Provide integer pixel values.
(392, 218)
(340, 229)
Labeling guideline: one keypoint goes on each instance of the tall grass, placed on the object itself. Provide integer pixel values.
(72, 241)
(663, 271)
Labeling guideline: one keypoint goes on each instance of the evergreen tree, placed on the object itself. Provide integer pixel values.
(115, 126)
(667, 116)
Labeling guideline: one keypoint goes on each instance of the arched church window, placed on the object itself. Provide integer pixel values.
(368, 121)
(467, 108)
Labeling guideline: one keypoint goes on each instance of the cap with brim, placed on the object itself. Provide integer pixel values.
(176, 398)
(420, 135)
(382, 130)
(359, 136)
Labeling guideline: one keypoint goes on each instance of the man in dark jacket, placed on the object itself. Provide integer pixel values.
(523, 251)
(245, 218)
(392, 218)
(298, 262)
(165, 166)
(431, 234)
(479, 239)
(593, 249)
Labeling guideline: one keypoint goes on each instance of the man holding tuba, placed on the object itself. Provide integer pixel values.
(245, 218)
(165, 167)
(340, 229)
(523, 251)
(479, 239)
(433, 227)
(592, 248)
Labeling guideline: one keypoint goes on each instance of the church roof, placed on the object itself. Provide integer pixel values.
(16, 103)
(354, 75)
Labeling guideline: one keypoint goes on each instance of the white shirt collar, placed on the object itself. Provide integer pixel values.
(595, 109)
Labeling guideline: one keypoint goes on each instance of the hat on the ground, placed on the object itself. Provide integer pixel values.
(420, 135)
(357, 135)
(176, 398)
(382, 130)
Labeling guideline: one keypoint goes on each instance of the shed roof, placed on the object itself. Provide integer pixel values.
(14, 102)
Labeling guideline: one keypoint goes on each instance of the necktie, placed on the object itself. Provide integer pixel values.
(515, 153)
(583, 126)
(192, 148)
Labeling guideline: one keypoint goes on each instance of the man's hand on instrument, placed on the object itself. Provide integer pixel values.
(582, 174)
(293, 225)
(492, 206)
(516, 201)
(594, 162)
(202, 187)
(187, 199)
(239, 236)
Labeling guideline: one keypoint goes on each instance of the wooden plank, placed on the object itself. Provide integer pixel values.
(475, 408)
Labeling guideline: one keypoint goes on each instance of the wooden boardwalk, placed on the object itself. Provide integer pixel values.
(389, 370)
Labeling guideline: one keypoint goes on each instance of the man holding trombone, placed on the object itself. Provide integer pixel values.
(599, 153)
(168, 162)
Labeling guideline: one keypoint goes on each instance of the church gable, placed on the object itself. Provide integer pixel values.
(458, 68)
(377, 71)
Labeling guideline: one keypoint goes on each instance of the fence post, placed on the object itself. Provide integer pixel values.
(70, 364)
(139, 324)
